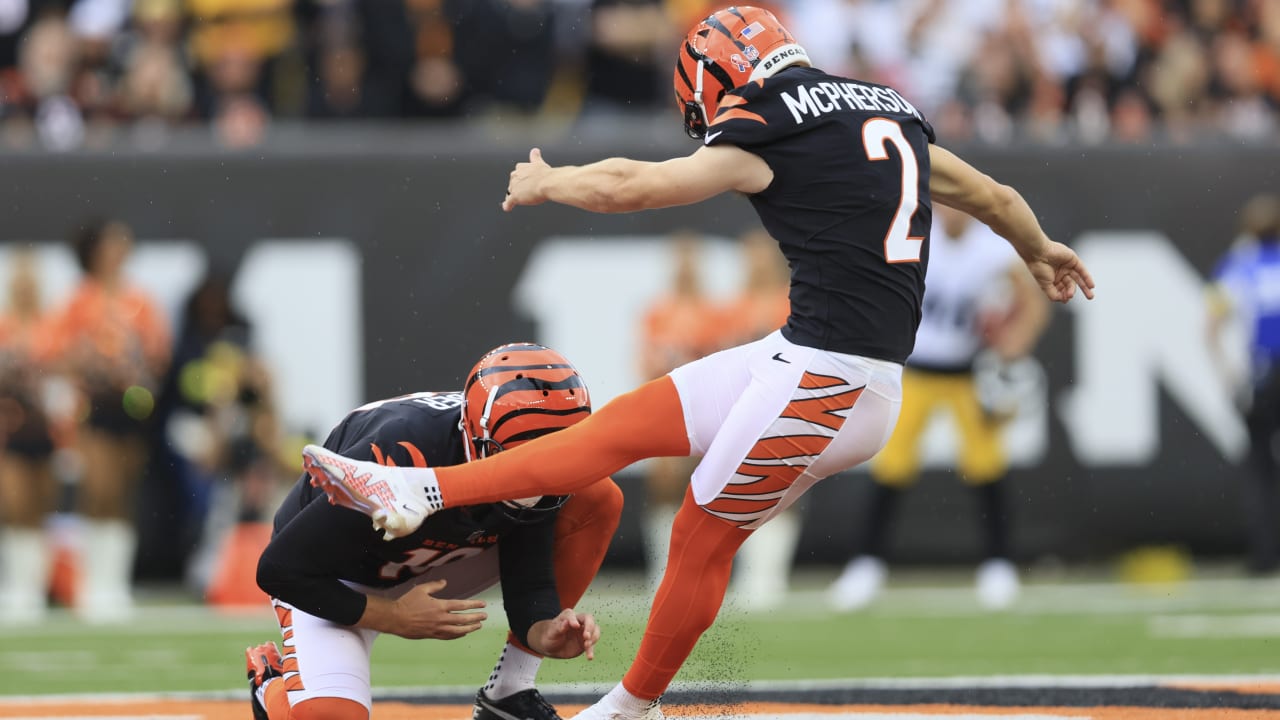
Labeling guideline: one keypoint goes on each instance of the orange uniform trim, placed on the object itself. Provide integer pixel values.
(414, 453)
(738, 114)
(822, 411)
(788, 446)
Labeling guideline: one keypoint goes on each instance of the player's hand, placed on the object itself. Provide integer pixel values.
(420, 615)
(524, 186)
(566, 635)
(1058, 271)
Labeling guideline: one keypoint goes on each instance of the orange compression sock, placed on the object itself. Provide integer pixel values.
(583, 530)
(692, 590)
(646, 422)
(276, 700)
(328, 708)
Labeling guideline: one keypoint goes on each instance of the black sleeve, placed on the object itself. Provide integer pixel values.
(304, 560)
(528, 576)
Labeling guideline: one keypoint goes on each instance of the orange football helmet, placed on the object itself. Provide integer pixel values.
(734, 46)
(518, 392)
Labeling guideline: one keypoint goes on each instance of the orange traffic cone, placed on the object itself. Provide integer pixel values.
(235, 577)
(64, 575)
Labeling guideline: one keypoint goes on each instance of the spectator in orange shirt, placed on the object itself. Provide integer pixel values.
(679, 327)
(112, 341)
(27, 486)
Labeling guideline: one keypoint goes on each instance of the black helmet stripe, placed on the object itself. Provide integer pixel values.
(514, 368)
(499, 422)
(719, 73)
(680, 69)
(537, 384)
(716, 71)
(530, 434)
(738, 14)
(715, 23)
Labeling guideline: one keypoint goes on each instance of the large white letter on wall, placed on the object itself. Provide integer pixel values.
(1145, 330)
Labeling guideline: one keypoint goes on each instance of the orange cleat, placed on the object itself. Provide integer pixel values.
(262, 663)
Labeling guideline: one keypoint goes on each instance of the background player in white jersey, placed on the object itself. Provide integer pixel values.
(978, 297)
(842, 174)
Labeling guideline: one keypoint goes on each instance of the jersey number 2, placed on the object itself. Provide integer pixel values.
(877, 133)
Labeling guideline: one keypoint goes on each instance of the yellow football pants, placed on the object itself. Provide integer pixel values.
(982, 458)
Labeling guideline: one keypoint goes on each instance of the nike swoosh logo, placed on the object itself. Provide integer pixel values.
(712, 136)
(779, 358)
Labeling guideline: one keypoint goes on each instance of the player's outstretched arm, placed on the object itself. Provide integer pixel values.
(1056, 268)
(566, 635)
(418, 615)
(620, 185)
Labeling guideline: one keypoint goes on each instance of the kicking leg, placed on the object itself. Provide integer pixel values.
(647, 422)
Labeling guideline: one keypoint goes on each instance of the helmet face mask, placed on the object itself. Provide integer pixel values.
(695, 120)
(486, 447)
(516, 393)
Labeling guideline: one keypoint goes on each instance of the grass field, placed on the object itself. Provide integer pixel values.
(1204, 627)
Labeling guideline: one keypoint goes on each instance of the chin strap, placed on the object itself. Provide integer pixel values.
(484, 440)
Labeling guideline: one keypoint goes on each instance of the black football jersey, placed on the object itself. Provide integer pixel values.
(849, 203)
(316, 546)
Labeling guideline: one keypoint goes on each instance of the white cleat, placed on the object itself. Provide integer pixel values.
(998, 585)
(603, 710)
(862, 580)
(397, 507)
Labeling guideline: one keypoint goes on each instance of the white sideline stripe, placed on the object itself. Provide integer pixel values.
(750, 716)
(1009, 681)
(888, 716)
(1057, 598)
(1214, 626)
(1064, 598)
(986, 681)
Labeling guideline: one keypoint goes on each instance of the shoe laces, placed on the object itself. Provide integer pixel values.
(542, 703)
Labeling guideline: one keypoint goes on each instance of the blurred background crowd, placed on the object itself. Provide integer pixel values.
(98, 73)
(99, 393)
(124, 418)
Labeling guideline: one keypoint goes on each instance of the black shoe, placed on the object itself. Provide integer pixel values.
(262, 663)
(524, 705)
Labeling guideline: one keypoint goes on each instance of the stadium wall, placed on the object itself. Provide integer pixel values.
(1135, 442)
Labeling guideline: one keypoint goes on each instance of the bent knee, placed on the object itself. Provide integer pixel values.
(328, 708)
(605, 499)
(600, 502)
